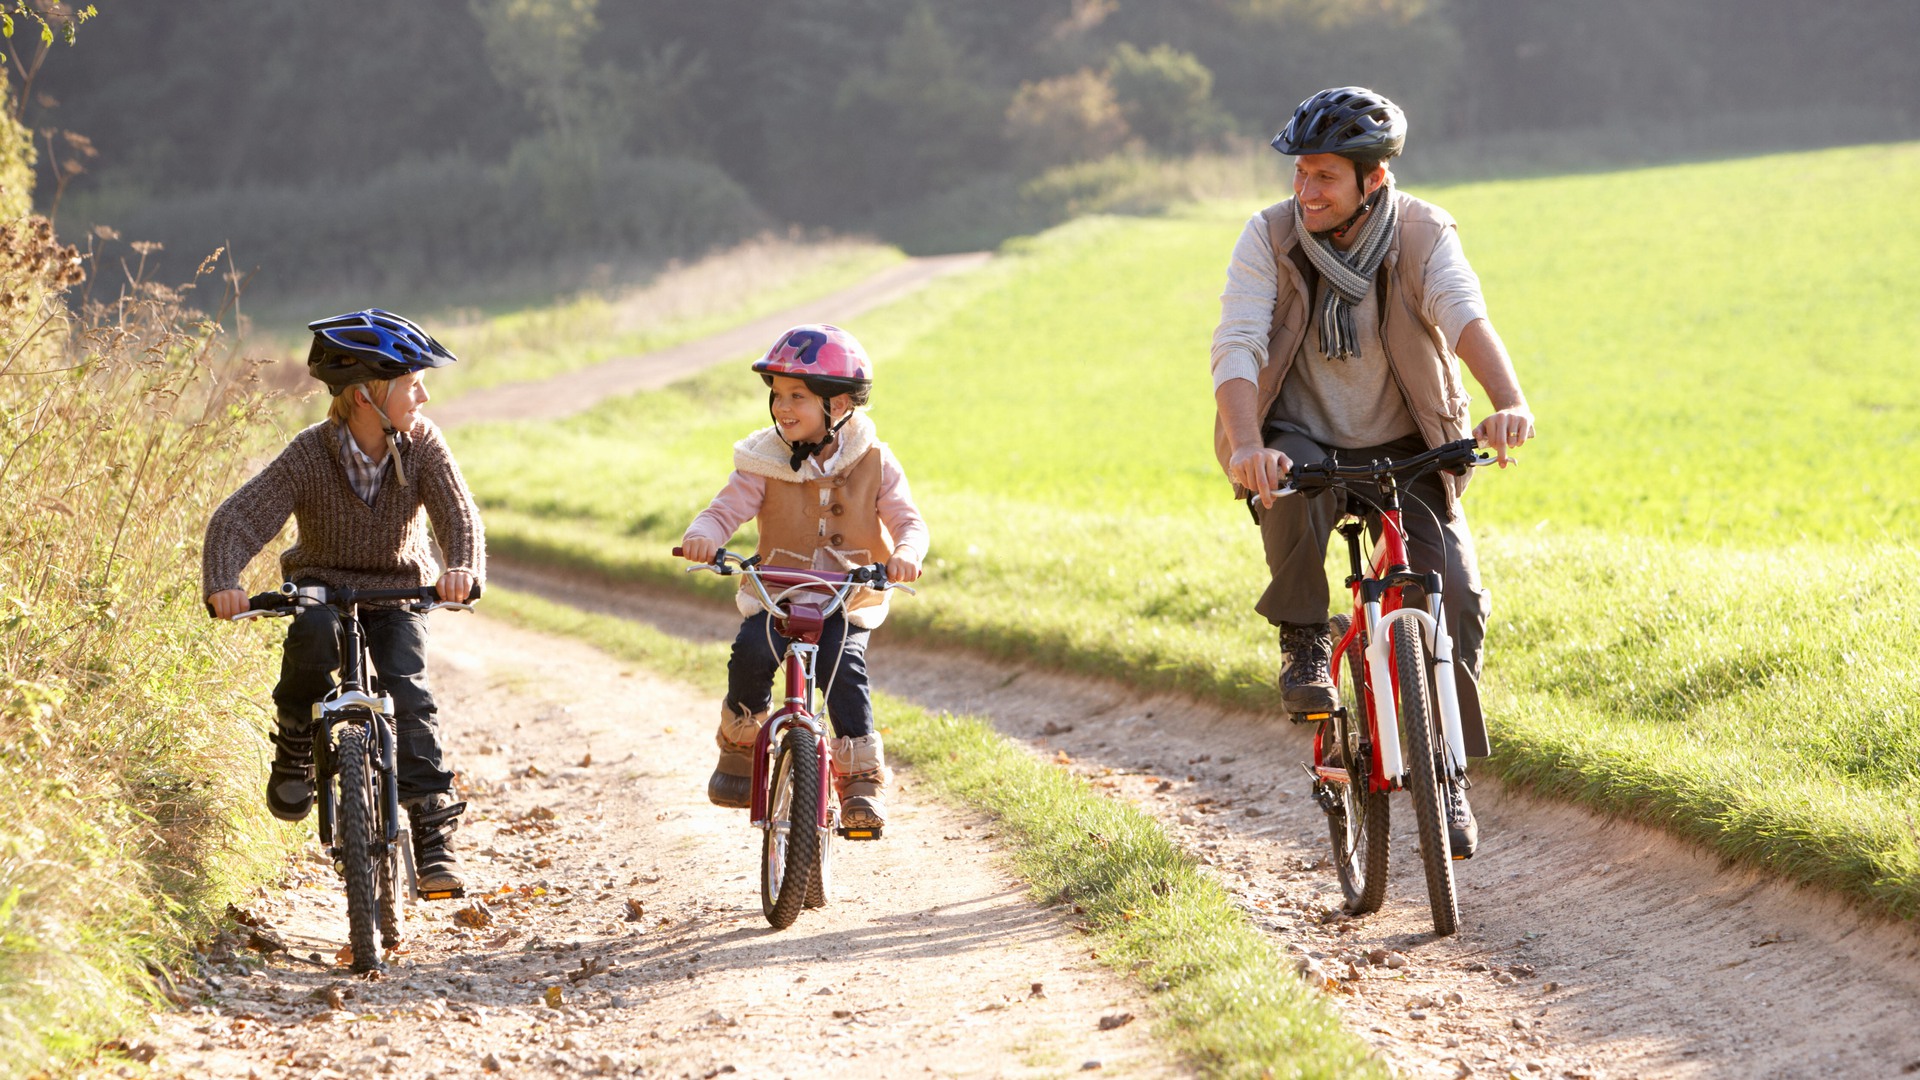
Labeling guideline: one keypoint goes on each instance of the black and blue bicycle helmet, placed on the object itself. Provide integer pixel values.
(373, 344)
(1351, 121)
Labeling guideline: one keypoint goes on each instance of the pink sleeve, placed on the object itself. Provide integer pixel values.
(897, 510)
(738, 503)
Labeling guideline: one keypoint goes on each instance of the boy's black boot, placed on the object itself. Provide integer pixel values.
(290, 783)
(731, 784)
(434, 818)
(1306, 682)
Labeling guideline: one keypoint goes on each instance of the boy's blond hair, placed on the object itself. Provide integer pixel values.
(342, 406)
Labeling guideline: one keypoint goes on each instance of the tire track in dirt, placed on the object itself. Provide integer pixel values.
(611, 881)
(1590, 947)
(576, 391)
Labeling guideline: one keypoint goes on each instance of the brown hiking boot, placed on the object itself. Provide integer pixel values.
(731, 784)
(1306, 682)
(434, 818)
(860, 776)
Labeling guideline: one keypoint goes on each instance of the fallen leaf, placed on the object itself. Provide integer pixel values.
(345, 956)
(1116, 1020)
(586, 761)
(635, 911)
(1061, 757)
(475, 915)
(553, 997)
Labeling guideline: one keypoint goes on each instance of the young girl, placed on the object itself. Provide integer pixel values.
(828, 496)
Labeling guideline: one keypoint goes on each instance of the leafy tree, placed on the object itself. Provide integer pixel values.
(1071, 118)
(1167, 96)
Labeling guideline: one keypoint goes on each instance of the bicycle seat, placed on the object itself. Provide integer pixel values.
(802, 622)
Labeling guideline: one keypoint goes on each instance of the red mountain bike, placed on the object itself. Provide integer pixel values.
(793, 803)
(1403, 658)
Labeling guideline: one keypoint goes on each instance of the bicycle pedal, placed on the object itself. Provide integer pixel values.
(1314, 717)
(443, 894)
(872, 833)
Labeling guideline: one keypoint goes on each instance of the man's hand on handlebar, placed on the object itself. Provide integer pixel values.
(454, 586)
(902, 568)
(1260, 470)
(1504, 430)
(697, 549)
(227, 603)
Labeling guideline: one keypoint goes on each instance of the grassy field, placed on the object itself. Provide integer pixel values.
(1692, 617)
(1227, 1000)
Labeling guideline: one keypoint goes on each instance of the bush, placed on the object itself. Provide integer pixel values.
(1072, 118)
(1167, 97)
(130, 756)
(433, 227)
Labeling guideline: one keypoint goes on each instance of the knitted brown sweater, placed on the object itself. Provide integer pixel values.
(341, 540)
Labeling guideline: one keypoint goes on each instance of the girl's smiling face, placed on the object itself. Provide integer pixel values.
(800, 413)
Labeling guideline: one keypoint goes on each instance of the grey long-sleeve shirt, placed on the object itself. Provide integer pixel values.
(1338, 403)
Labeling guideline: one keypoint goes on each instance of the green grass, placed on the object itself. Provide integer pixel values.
(131, 756)
(1697, 618)
(1231, 1003)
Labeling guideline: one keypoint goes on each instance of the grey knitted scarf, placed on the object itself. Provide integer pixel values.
(1349, 273)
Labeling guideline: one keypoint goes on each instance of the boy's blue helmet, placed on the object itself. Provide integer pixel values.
(373, 344)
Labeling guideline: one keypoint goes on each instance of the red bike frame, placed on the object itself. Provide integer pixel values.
(1388, 552)
(801, 625)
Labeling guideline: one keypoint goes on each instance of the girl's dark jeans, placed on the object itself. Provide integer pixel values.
(397, 644)
(755, 663)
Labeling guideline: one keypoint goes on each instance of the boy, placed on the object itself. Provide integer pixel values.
(356, 485)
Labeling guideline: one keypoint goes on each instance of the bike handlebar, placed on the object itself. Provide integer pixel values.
(788, 579)
(1314, 477)
(286, 600)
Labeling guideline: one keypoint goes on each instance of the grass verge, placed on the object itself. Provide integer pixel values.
(130, 748)
(1230, 1002)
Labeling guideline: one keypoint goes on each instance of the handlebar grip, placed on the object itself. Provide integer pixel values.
(679, 552)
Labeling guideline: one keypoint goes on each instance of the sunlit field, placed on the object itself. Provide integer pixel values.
(1695, 571)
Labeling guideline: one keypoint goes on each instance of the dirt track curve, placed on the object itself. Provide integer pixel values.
(1589, 947)
(564, 395)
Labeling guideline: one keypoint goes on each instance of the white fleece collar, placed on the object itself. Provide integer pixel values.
(765, 453)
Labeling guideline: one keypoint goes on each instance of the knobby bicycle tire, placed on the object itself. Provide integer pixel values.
(1359, 823)
(388, 879)
(790, 847)
(353, 844)
(1425, 774)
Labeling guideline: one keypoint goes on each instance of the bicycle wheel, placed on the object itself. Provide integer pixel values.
(388, 881)
(790, 847)
(1425, 772)
(1357, 816)
(352, 844)
(820, 889)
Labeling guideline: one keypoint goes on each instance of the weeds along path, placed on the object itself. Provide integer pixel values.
(1589, 947)
(611, 880)
(564, 395)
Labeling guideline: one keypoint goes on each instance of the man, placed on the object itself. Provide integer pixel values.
(1344, 309)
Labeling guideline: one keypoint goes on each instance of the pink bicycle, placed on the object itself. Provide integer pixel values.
(793, 803)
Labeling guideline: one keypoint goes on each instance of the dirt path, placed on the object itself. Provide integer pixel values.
(610, 878)
(575, 391)
(1589, 948)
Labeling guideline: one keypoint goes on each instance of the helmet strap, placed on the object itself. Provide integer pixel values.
(1340, 231)
(393, 437)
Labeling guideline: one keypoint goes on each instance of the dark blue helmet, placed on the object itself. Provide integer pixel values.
(372, 344)
(1351, 121)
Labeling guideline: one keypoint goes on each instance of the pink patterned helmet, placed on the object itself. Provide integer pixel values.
(828, 359)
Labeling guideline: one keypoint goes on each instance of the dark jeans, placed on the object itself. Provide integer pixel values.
(397, 643)
(1295, 532)
(755, 663)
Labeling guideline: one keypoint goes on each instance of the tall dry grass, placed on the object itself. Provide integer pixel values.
(130, 755)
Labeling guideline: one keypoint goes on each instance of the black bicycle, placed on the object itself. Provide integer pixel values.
(355, 766)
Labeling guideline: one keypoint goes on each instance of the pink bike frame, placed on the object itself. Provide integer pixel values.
(801, 625)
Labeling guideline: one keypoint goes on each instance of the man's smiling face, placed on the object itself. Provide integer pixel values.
(1327, 189)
